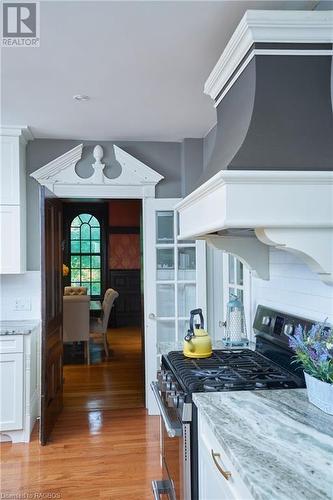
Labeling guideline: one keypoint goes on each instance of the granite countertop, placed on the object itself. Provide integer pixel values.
(281, 445)
(17, 327)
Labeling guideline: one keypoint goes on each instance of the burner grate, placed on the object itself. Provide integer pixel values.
(229, 370)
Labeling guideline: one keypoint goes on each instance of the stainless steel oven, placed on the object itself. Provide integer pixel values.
(176, 442)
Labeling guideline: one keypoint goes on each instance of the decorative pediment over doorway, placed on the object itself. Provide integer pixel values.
(133, 178)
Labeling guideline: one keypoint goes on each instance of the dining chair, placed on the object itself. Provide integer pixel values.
(76, 320)
(100, 325)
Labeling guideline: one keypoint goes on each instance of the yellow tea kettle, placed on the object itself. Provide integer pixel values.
(197, 342)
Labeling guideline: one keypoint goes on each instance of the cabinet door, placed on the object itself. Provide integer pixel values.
(11, 391)
(12, 243)
(212, 485)
(10, 171)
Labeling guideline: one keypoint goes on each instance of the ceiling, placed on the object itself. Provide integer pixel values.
(143, 65)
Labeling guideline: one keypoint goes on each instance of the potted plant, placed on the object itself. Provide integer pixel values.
(314, 351)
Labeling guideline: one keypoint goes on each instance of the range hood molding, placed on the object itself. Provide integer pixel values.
(266, 27)
(289, 210)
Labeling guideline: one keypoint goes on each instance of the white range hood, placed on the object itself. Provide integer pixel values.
(245, 212)
(269, 181)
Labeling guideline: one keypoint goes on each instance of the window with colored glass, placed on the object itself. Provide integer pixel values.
(85, 253)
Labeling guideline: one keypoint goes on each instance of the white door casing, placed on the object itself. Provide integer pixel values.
(174, 283)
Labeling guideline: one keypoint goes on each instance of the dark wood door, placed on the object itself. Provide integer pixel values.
(52, 347)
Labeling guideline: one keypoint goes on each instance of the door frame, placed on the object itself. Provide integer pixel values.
(136, 181)
(150, 208)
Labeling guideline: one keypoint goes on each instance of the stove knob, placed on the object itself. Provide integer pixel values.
(266, 320)
(178, 400)
(288, 329)
(170, 399)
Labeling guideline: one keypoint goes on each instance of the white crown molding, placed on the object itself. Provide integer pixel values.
(136, 180)
(138, 169)
(292, 210)
(22, 132)
(46, 174)
(271, 27)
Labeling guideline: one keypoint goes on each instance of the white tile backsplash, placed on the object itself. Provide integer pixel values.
(20, 296)
(293, 288)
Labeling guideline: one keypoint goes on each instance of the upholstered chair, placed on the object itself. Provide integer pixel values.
(100, 325)
(75, 290)
(76, 312)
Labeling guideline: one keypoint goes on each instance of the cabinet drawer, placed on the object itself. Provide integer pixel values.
(11, 343)
(213, 464)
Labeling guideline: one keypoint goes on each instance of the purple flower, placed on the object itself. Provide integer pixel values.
(313, 354)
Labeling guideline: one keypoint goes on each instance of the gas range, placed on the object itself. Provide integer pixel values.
(268, 367)
(227, 370)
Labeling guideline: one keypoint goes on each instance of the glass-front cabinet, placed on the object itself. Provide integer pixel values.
(176, 279)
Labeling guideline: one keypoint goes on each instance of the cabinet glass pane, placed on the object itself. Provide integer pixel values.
(165, 264)
(164, 226)
(165, 298)
(231, 264)
(186, 299)
(183, 326)
(239, 272)
(166, 331)
(186, 263)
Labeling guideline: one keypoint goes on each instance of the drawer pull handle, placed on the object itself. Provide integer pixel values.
(225, 474)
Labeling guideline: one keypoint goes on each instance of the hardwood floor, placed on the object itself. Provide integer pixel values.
(113, 384)
(96, 451)
(107, 454)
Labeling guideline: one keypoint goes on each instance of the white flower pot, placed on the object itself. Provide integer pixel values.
(320, 393)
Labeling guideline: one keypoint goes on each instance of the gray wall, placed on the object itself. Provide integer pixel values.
(276, 116)
(179, 163)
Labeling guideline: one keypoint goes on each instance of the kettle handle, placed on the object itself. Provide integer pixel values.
(196, 312)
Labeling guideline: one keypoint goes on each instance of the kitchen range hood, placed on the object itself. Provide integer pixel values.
(269, 181)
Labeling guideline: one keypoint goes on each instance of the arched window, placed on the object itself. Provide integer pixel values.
(85, 250)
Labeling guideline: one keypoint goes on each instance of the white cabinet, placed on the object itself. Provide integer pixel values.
(12, 239)
(19, 387)
(218, 478)
(13, 199)
(11, 385)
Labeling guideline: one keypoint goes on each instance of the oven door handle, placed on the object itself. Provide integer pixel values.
(172, 429)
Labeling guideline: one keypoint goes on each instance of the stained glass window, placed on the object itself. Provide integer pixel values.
(85, 249)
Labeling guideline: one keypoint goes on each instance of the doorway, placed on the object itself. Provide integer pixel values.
(101, 250)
